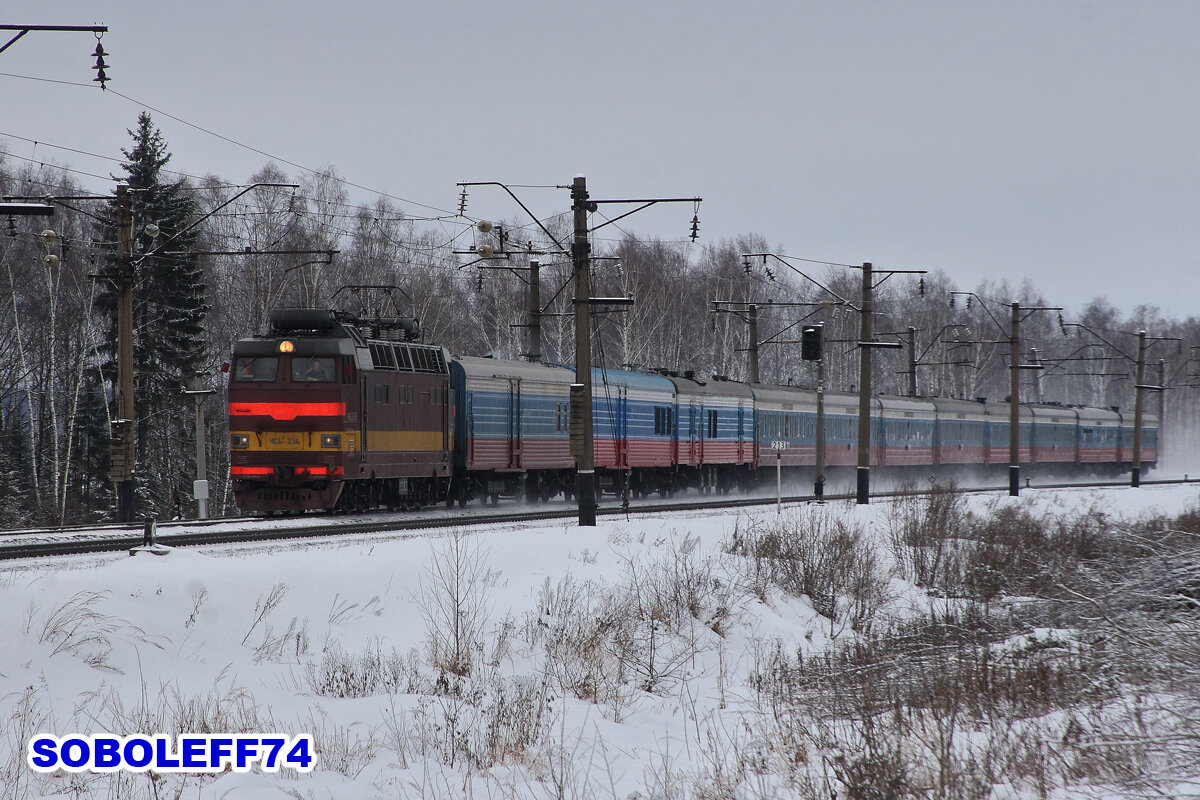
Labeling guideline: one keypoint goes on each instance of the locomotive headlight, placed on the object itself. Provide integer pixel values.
(333, 440)
(286, 347)
(239, 441)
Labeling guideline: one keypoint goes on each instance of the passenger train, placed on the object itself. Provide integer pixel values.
(331, 412)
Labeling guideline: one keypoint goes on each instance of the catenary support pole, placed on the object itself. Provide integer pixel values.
(585, 483)
(535, 311)
(1014, 404)
(867, 312)
(819, 481)
(752, 322)
(124, 451)
(1139, 385)
(912, 361)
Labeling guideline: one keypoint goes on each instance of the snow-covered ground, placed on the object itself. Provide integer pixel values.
(343, 639)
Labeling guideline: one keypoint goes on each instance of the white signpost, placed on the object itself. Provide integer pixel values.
(779, 446)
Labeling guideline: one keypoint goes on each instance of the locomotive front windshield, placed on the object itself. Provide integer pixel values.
(257, 370)
(312, 369)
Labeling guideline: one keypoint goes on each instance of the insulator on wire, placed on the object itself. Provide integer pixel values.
(462, 203)
(695, 227)
(921, 287)
(12, 226)
(100, 66)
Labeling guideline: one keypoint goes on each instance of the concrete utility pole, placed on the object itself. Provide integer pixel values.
(1036, 361)
(1014, 403)
(1014, 393)
(585, 464)
(1162, 407)
(752, 354)
(819, 479)
(1140, 383)
(866, 331)
(200, 485)
(535, 312)
(912, 361)
(867, 343)
(582, 431)
(748, 313)
(123, 452)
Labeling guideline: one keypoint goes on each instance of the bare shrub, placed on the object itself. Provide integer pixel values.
(290, 643)
(927, 533)
(1187, 521)
(896, 714)
(573, 625)
(515, 714)
(1017, 553)
(77, 628)
(820, 555)
(1086, 677)
(346, 749)
(678, 587)
(198, 599)
(661, 603)
(264, 605)
(454, 598)
(26, 720)
(342, 674)
(645, 631)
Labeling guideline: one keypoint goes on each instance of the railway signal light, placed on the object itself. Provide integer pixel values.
(810, 343)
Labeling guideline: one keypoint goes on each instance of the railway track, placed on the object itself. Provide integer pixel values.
(51, 542)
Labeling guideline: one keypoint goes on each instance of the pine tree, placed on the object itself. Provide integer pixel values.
(170, 306)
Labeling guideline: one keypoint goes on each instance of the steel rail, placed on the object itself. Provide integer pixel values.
(13, 550)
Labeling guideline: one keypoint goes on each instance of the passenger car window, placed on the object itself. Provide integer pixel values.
(259, 370)
(312, 369)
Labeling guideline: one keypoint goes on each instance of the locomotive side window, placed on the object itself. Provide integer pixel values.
(261, 370)
(315, 369)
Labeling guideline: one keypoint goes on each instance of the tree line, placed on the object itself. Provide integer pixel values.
(222, 257)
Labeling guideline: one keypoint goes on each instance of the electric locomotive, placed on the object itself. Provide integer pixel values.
(328, 411)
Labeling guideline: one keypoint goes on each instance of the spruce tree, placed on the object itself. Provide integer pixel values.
(170, 305)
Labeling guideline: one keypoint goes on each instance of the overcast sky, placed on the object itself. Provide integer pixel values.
(1052, 140)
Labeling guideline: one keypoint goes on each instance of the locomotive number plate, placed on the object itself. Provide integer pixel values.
(285, 440)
